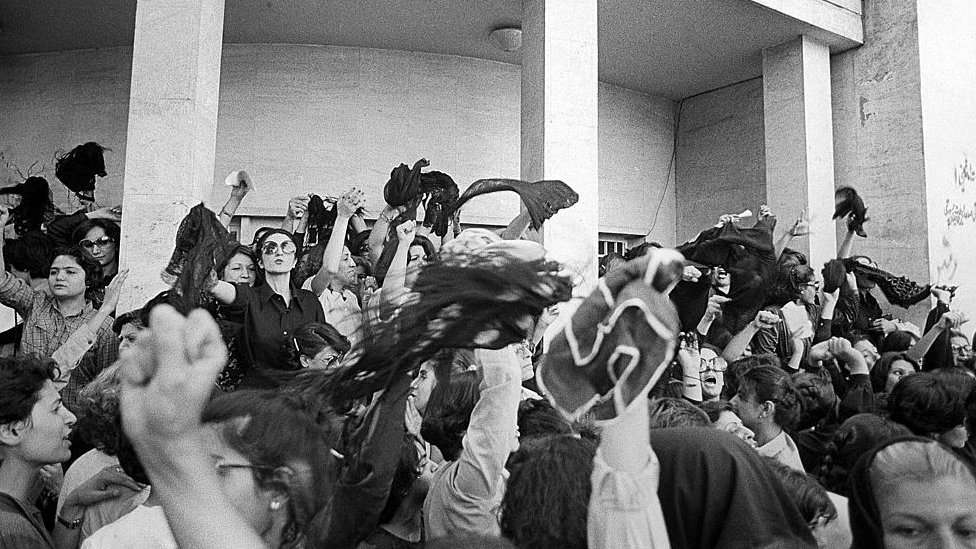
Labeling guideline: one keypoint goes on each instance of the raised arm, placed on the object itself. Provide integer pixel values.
(237, 194)
(844, 251)
(14, 292)
(346, 207)
(166, 382)
(395, 282)
(948, 321)
(297, 206)
(70, 353)
(736, 347)
(377, 237)
(801, 227)
(517, 226)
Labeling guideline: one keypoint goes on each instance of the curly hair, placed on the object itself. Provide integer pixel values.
(21, 379)
(98, 411)
(738, 367)
(770, 383)
(32, 252)
(817, 398)
(449, 412)
(810, 497)
(309, 340)
(539, 418)
(548, 492)
(927, 405)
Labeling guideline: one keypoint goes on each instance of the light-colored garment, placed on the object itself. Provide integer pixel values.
(624, 511)
(783, 449)
(465, 494)
(104, 512)
(341, 310)
(145, 527)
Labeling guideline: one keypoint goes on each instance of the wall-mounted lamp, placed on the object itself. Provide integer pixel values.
(506, 38)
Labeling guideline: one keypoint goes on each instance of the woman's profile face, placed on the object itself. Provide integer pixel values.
(237, 483)
(898, 370)
(239, 270)
(925, 513)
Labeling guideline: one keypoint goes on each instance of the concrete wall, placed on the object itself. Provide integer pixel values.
(878, 140)
(947, 62)
(721, 162)
(321, 119)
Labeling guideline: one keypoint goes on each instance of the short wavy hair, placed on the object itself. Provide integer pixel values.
(21, 380)
(927, 405)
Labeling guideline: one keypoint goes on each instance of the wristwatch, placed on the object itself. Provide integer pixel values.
(71, 524)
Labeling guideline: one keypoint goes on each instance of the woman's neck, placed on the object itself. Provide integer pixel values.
(16, 477)
(280, 283)
(70, 306)
(337, 285)
(767, 432)
(110, 270)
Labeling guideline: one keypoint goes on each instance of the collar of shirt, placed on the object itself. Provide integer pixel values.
(266, 294)
(54, 304)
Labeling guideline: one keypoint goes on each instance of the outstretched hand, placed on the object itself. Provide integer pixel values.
(109, 483)
(114, 290)
(167, 379)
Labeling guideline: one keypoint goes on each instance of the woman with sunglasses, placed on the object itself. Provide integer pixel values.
(271, 311)
(100, 238)
(319, 346)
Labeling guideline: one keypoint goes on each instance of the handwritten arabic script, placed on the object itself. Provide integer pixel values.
(964, 174)
(958, 214)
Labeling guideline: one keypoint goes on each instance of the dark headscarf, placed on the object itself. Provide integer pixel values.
(78, 167)
(717, 492)
(865, 516)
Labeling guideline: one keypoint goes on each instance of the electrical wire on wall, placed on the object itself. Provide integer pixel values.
(671, 161)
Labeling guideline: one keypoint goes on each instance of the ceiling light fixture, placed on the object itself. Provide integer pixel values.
(506, 38)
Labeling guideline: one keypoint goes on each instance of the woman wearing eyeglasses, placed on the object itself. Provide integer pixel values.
(271, 311)
(100, 238)
(319, 347)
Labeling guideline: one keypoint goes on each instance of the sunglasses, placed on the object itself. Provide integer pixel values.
(98, 242)
(714, 364)
(271, 247)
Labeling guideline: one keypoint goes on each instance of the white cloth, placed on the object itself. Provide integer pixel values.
(624, 511)
(784, 450)
(341, 310)
(145, 528)
(104, 512)
(465, 495)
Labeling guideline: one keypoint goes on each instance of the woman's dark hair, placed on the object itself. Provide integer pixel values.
(879, 374)
(927, 405)
(669, 412)
(243, 250)
(111, 229)
(97, 410)
(35, 203)
(537, 418)
(296, 460)
(166, 297)
(311, 338)
(32, 252)
(897, 341)
(809, 496)
(738, 367)
(854, 438)
(429, 251)
(773, 384)
(548, 493)
(449, 412)
(817, 398)
(92, 268)
(714, 408)
(21, 380)
(789, 272)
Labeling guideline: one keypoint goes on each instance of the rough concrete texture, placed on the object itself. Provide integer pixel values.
(947, 62)
(721, 156)
(321, 118)
(878, 141)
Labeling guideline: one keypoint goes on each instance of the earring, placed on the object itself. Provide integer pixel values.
(275, 505)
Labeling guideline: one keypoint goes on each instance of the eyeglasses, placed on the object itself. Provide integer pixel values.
(961, 349)
(716, 364)
(98, 242)
(814, 284)
(271, 247)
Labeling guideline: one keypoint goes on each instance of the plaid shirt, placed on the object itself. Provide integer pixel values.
(46, 329)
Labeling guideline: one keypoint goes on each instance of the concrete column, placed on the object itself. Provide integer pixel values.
(799, 141)
(559, 121)
(172, 132)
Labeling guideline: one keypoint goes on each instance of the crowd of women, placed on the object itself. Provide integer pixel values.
(407, 382)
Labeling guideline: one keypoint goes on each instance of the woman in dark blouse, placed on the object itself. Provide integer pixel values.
(271, 311)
